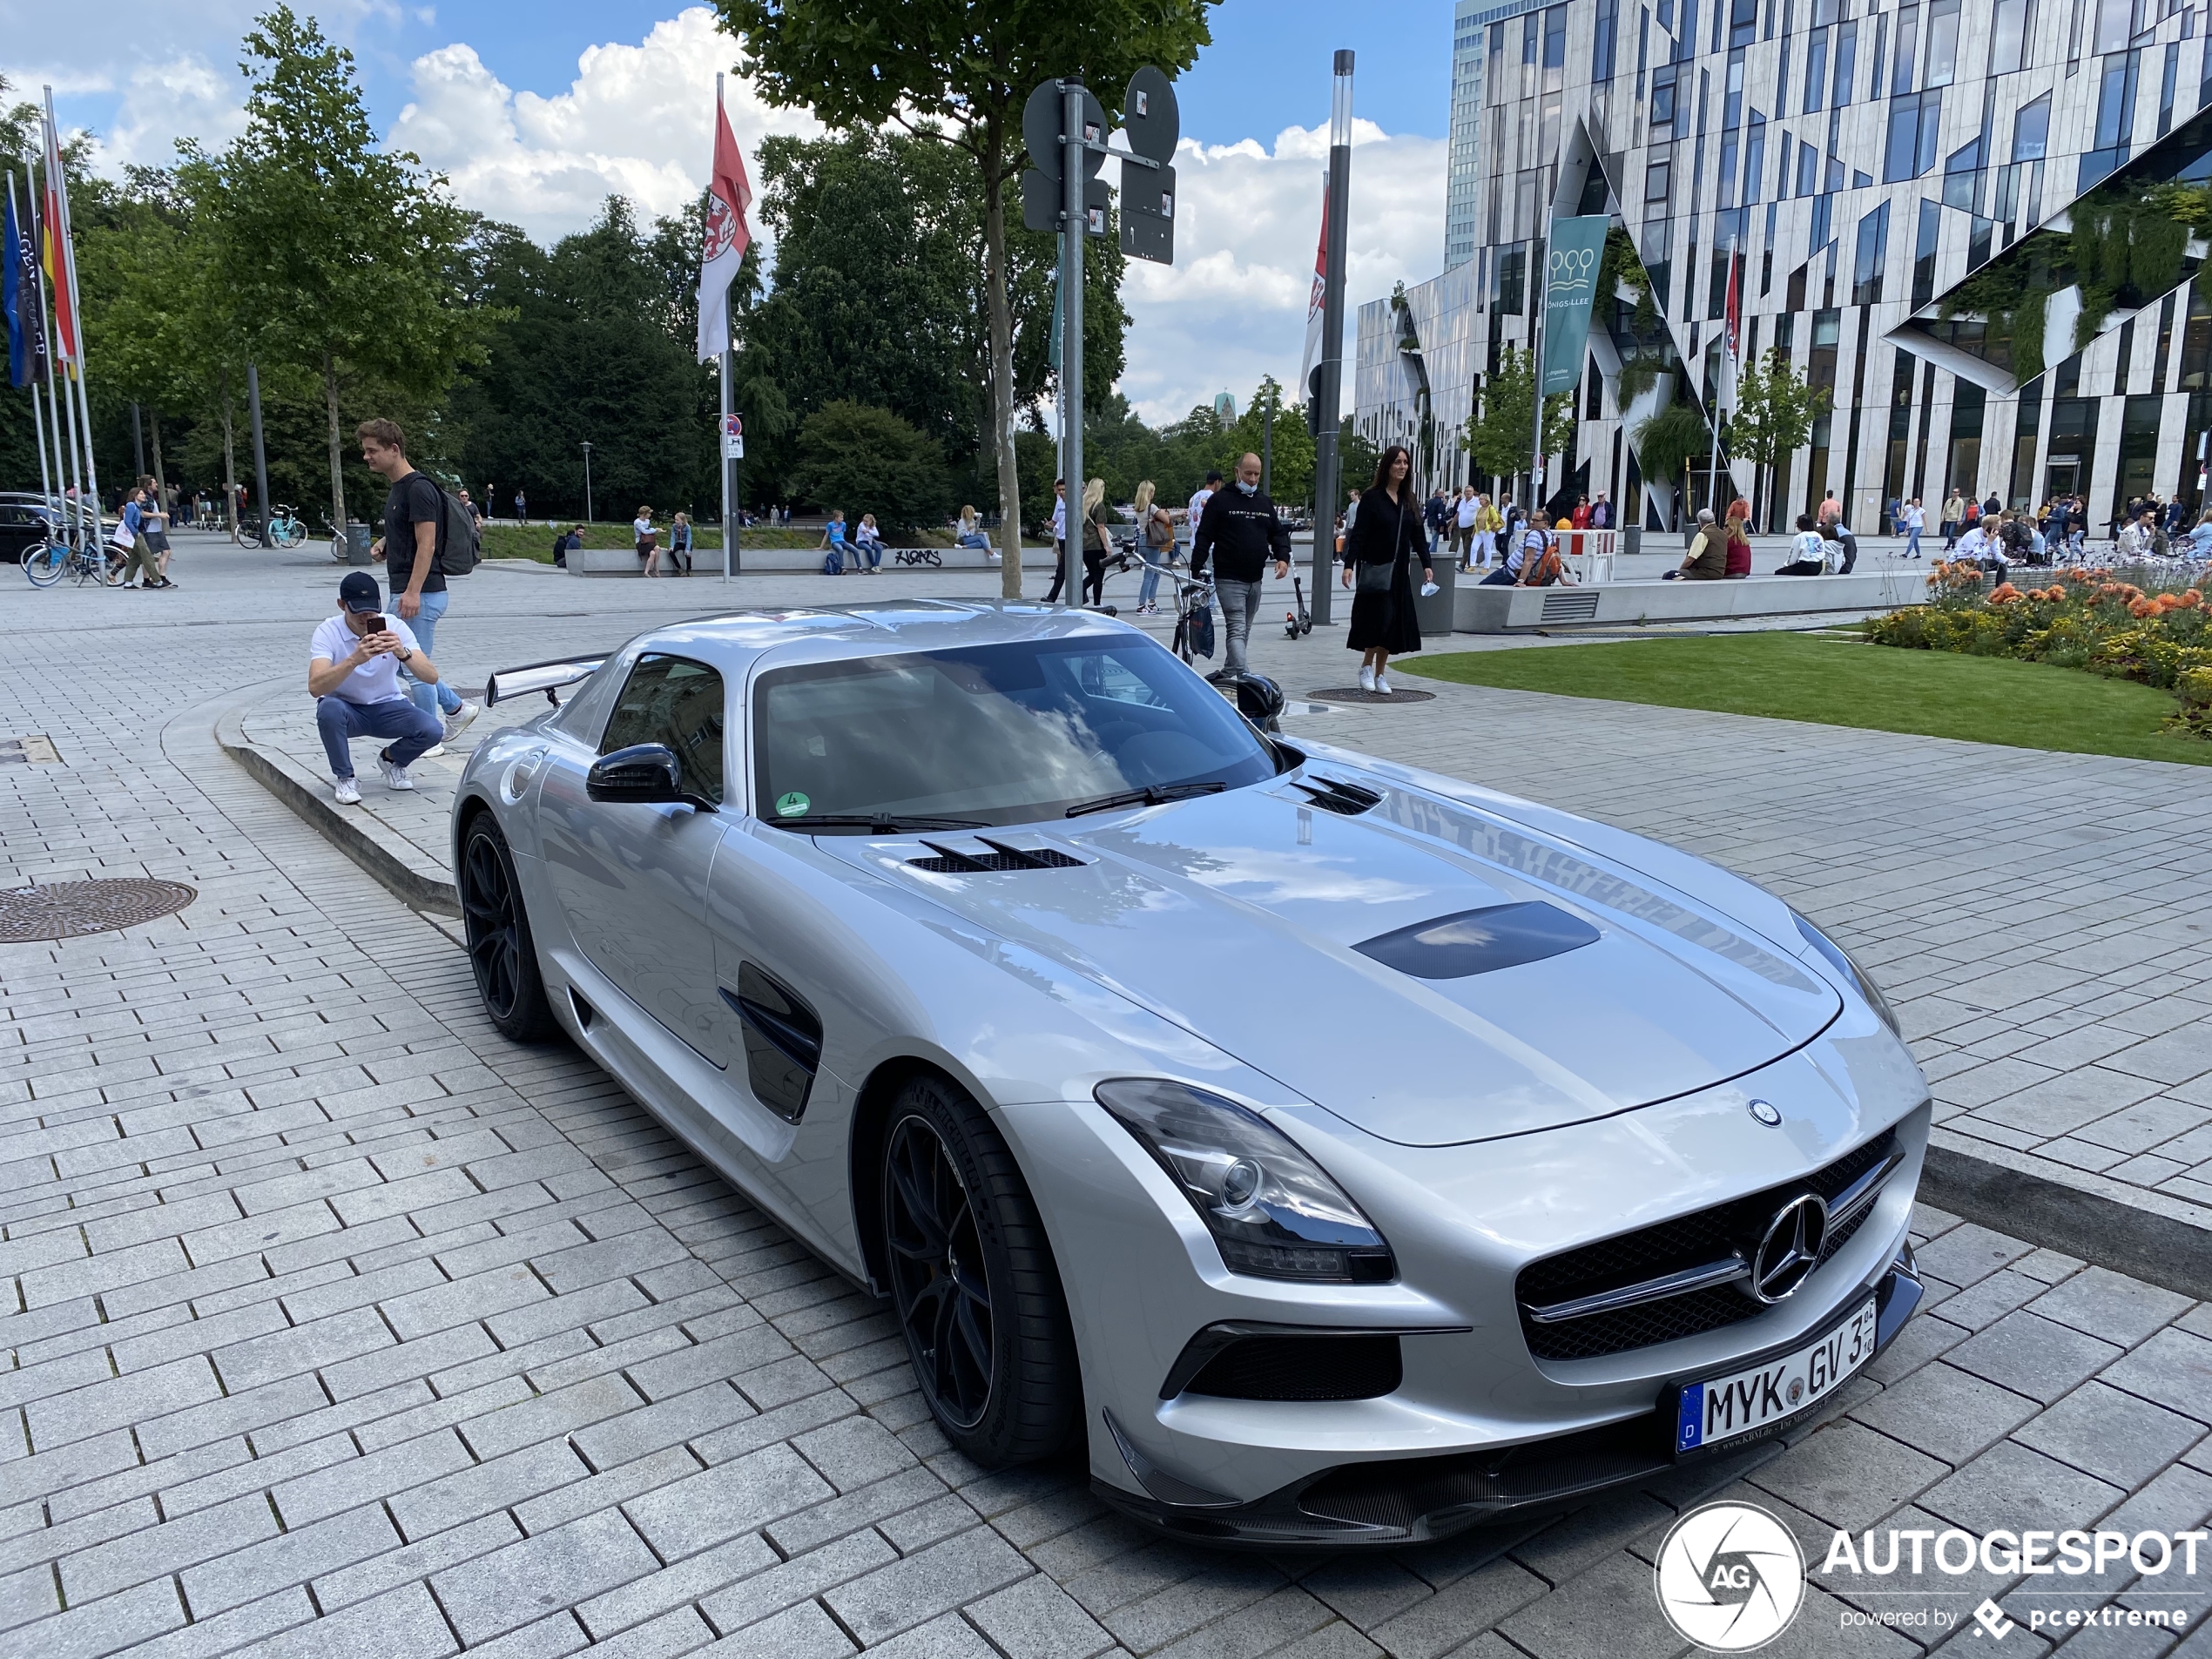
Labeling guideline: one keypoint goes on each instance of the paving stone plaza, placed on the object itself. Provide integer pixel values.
(340, 1325)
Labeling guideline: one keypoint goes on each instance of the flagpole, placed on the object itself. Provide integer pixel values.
(68, 472)
(721, 430)
(80, 388)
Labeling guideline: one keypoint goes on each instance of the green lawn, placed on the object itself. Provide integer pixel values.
(1841, 682)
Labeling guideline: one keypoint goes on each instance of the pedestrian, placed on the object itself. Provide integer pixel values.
(1465, 511)
(475, 513)
(1156, 543)
(1059, 540)
(354, 664)
(1707, 560)
(130, 539)
(1197, 507)
(522, 508)
(1954, 518)
(1436, 516)
(680, 542)
(1580, 519)
(1601, 513)
(648, 540)
(1831, 510)
(1488, 522)
(1237, 531)
(2200, 537)
(163, 504)
(1991, 508)
(1809, 552)
(1097, 542)
(564, 542)
(867, 542)
(1351, 509)
(1915, 520)
(414, 522)
(1379, 554)
(970, 533)
(834, 540)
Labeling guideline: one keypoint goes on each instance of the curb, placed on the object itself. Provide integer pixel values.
(409, 886)
(2165, 1246)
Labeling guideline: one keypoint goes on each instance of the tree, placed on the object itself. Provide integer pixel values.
(1775, 410)
(1291, 478)
(959, 72)
(342, 258)
(1498, 434)
(1669, 440)
(869, 460)
(1356, 458)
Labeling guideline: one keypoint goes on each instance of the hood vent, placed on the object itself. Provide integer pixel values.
(1481, 941)
(951, 861)
(1334, 796)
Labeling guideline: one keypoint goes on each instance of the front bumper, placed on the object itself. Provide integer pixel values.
(1389, 1502)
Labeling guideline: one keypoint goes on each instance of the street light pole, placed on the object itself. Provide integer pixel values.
(1331, 389)
(1073, 176)
(587, 481)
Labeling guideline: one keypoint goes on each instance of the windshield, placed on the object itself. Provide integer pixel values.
(999, 734)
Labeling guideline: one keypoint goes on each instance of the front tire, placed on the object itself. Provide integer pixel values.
(973, 1280)
(44, 564)
(500, 947)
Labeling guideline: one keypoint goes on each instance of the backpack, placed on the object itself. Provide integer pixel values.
(458, 546)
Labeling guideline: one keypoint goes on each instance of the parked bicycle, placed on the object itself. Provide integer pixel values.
(1193, 617)
(50, 561)
(285, 530)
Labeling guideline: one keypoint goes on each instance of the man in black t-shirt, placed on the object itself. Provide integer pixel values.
(410, 547)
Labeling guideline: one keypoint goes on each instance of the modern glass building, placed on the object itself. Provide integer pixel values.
(1957, 217)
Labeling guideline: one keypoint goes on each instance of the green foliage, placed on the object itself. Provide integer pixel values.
(1621, 267)
(1498, 434)
(1775, 410)
(959, 72)
(2123, 238)
(1292, 476)
(1122, 450)
(1668, 441)
(869, 460)
(1036, 455)
(1356, 458)
(593, 346)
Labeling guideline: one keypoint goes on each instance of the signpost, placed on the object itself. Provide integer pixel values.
(1069, 197)
(732, 510)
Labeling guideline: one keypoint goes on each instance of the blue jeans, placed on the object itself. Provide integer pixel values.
(411, 730)
(441, 698)
(1154, 562)
(1912, 540)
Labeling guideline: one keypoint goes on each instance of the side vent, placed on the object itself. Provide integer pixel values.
(783, 1042)
(1234, 1360)
(1333, 795)
(951, 861)
(584, 1012)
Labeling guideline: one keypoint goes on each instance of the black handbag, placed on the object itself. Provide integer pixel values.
(1377, 577)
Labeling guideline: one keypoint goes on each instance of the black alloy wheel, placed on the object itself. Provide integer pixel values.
(500, 947)
(973, 1280)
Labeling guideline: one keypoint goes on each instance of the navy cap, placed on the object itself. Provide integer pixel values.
(359, 592)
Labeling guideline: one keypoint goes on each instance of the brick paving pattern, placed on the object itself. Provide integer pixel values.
(341, 1326)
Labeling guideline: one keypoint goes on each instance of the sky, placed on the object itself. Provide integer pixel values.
(536, 110)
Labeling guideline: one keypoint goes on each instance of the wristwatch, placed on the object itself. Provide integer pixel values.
(404, 656)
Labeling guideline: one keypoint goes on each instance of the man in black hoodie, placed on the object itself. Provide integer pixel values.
(1237, 532)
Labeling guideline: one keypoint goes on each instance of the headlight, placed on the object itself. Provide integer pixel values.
(1840, 959)
(1271, 1209)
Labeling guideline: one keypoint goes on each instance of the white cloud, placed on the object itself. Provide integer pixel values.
(184, 97)
(1232, 305)
(637, 121)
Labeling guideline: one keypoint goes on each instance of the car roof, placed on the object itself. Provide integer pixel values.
(732, 642)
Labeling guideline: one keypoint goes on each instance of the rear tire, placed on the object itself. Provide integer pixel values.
(44, 564)
(973, 1281)
(500, 950)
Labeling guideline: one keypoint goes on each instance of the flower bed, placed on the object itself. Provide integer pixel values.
(2083, 619)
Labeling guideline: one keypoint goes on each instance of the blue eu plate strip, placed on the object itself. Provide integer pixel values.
(1690, 1430)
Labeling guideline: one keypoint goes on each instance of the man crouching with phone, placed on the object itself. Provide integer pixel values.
(353, 675)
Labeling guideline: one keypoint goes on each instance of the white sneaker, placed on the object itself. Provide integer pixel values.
(349, 792)
(395, 776)
(1382, 686)
(432, 753)
(1366, 677)
(458, 720)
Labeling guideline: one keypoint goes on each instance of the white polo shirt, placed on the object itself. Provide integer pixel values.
(376, 680)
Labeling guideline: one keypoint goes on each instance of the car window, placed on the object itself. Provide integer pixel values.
(671, 700)
(1007, 733)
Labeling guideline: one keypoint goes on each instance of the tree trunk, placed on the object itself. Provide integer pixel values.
(230, 460)
(337, 448)
(160, 479)
(1001, 364)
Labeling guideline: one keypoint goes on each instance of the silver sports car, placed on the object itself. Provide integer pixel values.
(1348, 1153)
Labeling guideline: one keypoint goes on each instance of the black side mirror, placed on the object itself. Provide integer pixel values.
(643, 774)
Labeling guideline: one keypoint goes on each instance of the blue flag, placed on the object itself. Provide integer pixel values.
(12, 297)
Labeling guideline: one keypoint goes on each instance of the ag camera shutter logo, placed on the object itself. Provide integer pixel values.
(1730, 1577)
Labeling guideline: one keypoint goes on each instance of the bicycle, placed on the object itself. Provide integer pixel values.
(47, 563)
(284, 528)
(1193, 615)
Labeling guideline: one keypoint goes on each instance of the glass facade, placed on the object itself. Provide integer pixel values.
(1903, 188)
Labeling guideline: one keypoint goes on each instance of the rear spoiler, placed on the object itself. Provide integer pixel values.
(539, 677)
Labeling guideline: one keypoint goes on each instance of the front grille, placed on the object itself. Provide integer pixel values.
(1332, 1368)
(1673, 1246)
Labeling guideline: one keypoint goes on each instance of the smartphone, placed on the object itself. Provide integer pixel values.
(376, 624)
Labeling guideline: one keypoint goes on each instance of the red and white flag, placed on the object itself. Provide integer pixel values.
(1314, 305)
(58, 255)
(727, 236)
(1735, 302)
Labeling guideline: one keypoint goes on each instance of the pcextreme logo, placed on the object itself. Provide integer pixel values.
(1730, 1577)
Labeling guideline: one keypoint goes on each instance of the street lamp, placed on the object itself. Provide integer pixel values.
(587, 482)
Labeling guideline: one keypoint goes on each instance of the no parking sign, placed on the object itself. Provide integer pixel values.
(732, 438)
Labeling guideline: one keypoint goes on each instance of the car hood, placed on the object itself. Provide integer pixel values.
(1238, 916)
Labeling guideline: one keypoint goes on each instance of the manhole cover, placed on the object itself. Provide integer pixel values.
(73, 909)
(1354, 694)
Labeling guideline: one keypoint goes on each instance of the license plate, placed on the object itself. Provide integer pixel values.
(1726, 1409)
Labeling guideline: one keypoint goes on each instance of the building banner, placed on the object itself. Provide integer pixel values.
(1571, 261)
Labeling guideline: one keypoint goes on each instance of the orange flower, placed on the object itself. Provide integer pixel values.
(2139, 608)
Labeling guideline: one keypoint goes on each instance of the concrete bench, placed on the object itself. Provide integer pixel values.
(622, 561)
(1478, 609)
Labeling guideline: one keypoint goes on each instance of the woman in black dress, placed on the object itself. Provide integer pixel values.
(1379, 555)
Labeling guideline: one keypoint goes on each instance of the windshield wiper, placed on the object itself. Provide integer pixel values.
(881, 823)
(1150, 795)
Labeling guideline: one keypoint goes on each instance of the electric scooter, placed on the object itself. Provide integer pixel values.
(1300, 622)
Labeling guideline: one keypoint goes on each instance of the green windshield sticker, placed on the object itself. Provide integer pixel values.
(792, 805)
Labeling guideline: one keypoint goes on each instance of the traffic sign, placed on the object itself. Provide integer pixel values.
(732, 438)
